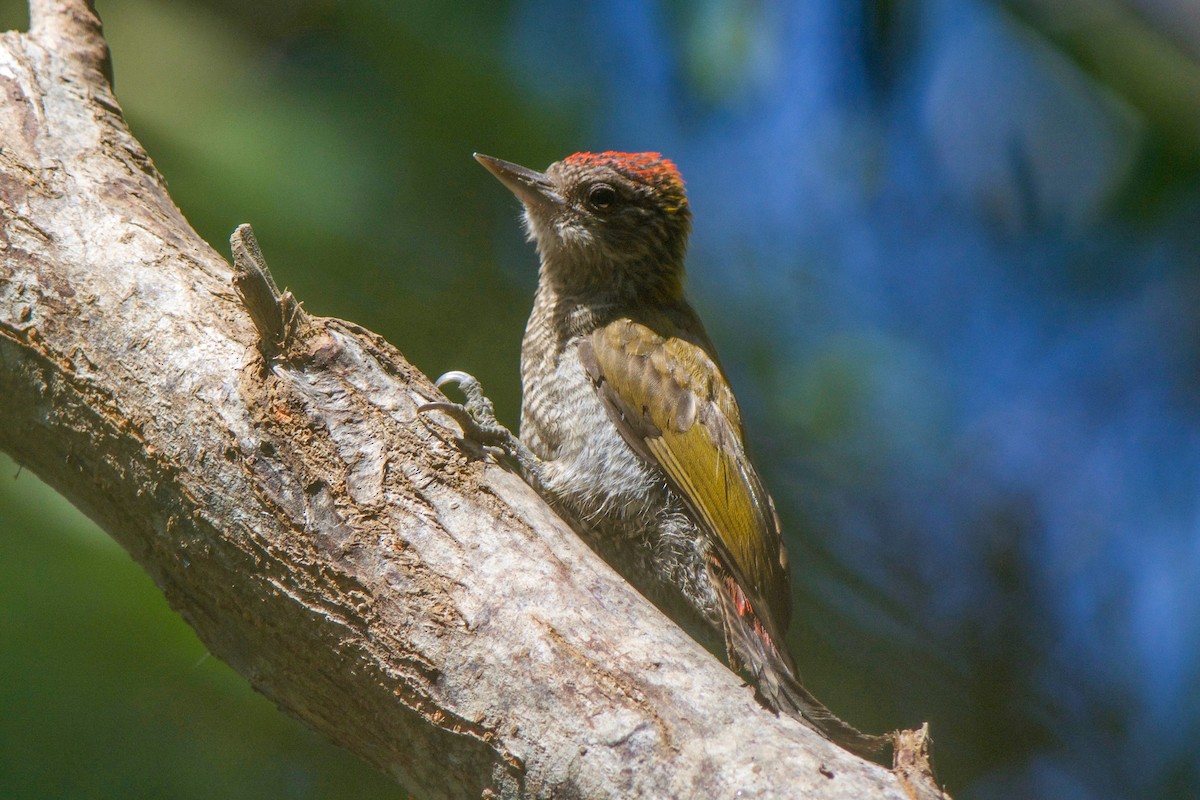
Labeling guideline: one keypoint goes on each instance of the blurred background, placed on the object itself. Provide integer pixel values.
(950, 253)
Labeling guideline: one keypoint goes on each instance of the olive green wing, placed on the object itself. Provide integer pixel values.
(667, 395)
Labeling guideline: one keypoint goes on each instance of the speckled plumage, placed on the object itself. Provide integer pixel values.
(631, 429)
(622, 503)
(610, 298)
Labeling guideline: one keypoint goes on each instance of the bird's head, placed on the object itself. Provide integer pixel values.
(611, 221)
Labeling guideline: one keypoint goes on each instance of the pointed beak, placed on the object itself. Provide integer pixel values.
(533, 189)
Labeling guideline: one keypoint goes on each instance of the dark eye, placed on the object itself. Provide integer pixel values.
(601, 196)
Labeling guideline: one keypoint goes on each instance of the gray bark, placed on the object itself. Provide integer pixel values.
(420, 607)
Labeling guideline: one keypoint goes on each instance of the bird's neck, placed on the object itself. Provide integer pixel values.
(592, 294)
(565, 314)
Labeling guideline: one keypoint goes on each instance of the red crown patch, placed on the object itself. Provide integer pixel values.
(648, 168)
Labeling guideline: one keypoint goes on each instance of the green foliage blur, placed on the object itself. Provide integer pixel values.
(343, 132)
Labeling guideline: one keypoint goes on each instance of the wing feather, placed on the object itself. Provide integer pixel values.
(666, 393)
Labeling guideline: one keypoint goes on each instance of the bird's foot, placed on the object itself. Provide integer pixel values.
(477, 418)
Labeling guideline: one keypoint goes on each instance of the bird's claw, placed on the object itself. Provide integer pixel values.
(476, 417)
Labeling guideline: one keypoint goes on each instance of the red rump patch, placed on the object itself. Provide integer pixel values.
(744, 609)
(648, 168)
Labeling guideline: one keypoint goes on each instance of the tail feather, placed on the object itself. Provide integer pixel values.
(751, 650)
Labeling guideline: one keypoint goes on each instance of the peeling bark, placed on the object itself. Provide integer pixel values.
(420, 607)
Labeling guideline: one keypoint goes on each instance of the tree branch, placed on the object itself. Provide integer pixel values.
(267, 468)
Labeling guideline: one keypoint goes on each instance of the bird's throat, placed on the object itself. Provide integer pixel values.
(622, 284)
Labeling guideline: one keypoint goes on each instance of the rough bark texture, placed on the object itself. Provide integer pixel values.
(421, 608)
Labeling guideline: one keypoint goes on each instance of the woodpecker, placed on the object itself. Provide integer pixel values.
(629, 428)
